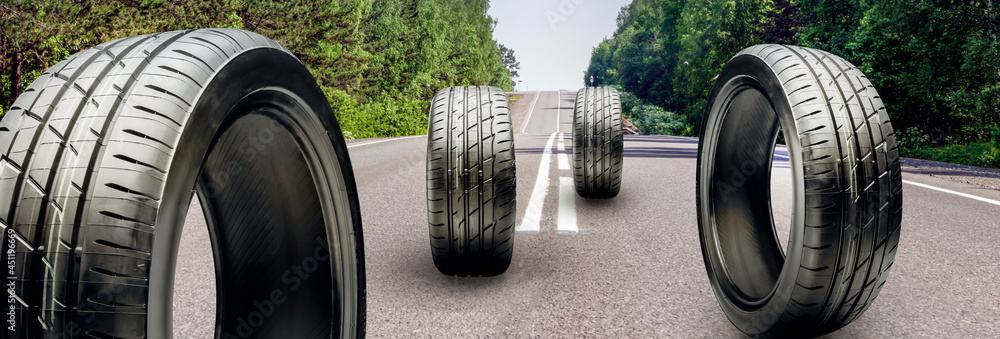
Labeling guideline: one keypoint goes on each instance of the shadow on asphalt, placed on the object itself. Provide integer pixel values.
(660, 139)
(417, 268)
(661, 153)
(630, 152)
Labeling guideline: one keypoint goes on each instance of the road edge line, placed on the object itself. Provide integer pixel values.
(386, 140)
(531, 110)
(966, 195)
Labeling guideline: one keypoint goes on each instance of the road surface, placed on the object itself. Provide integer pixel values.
(625, 267)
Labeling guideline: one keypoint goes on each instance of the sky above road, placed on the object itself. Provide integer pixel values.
(553, 39)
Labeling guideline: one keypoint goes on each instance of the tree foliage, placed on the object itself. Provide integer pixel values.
(936, 63)
(379, 62)
(510, 61)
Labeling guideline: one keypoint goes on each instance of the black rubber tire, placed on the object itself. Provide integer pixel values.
(471, 191)
(598, 143)
(847, 192)
(100, 159)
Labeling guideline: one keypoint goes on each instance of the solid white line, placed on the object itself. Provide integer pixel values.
(386, 140)
(530, 110)
(563, 161)
(567, 207)
(561, 139)
(533, 216)
(561, 146)
(970, 196)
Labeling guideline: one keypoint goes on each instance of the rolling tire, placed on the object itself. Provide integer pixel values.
(847, 192)
(100, 159)
(471, 207)
(598, 143)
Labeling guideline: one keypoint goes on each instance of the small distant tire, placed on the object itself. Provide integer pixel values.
(598, 143)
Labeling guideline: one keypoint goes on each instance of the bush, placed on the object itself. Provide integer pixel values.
(654, 120)
(380, 116)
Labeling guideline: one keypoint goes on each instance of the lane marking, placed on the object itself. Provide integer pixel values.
(533, 216)
(561, 139)
(386, 140)
(558, 109)
(563, 161)
(970, 196)
(567, 207)
(530, 110)
(561, 146)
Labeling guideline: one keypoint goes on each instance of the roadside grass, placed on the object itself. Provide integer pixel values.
(979, 154)
(512, 98)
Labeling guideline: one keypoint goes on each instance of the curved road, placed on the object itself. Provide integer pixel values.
(625, 267)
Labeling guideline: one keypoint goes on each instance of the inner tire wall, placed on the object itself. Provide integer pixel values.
(598, 143)
(847, 193)
(471, 190)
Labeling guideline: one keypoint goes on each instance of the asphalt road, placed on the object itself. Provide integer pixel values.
(625, 267)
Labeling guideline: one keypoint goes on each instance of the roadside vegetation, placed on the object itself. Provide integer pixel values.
(936, 64)
(379, 62)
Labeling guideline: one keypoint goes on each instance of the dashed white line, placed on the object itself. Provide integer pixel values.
(533, 216)
(561, 139)
(567, 207)
(970, 196)
(563, 161)
(561, 146)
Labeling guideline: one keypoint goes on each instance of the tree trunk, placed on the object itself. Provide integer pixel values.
(15, 81)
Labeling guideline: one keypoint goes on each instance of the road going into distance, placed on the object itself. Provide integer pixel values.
(625, 267)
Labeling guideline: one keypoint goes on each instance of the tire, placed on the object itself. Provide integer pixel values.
(101, 155)
(847, 192)
(598, 143)
(471, 206)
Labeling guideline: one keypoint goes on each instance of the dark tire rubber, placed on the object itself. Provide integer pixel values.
(598, 143)
(100, 159)
(471, 207)
(847, 192)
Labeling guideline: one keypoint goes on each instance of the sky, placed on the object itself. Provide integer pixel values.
(553, 39)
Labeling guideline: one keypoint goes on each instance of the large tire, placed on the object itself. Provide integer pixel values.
(471, 192)
(598, 143)
(847, 192)
(101, 156)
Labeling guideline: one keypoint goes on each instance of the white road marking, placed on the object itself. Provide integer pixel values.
(567, 207)
(563, 161)
(530, 110)
(970, 196)
(386, 140)
(561, 135)
(558, 109)
(561, 146)
(533, 216)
